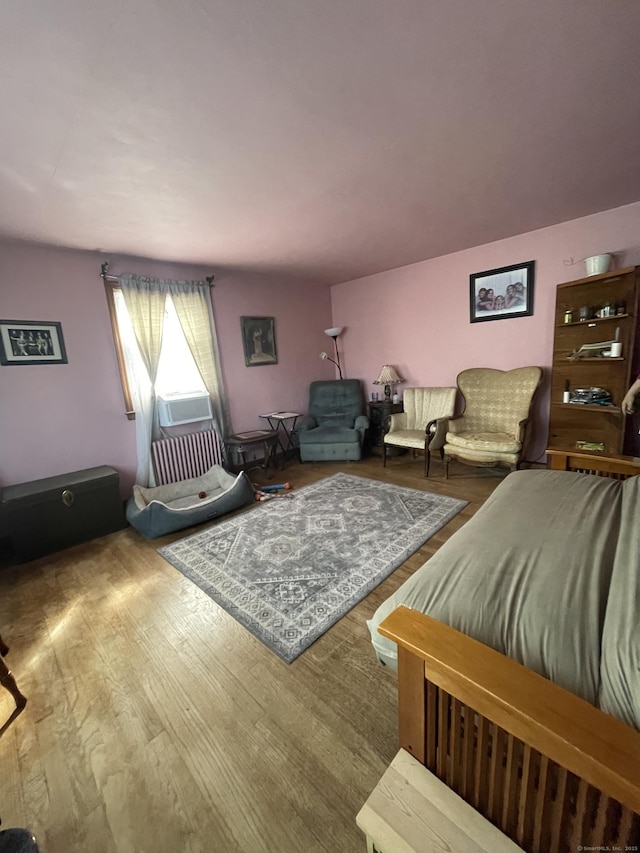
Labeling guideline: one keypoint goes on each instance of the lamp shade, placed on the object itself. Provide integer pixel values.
(388, 376)
(334, 332)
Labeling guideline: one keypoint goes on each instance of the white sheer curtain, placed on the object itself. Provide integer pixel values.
(192, 302)
(145, 301)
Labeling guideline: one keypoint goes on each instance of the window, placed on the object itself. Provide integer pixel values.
(177, 370)
(148, 316)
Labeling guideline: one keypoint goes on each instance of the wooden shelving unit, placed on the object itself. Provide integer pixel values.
(585, 407)
(595, 320)
(572, 422)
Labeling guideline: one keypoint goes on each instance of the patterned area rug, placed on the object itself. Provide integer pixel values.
(288, 569)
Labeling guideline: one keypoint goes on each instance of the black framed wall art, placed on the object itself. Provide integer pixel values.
(259, 341)
(31, 342)
(502, 293)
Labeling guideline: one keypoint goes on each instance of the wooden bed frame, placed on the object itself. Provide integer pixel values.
(553, 772)
(589, 462)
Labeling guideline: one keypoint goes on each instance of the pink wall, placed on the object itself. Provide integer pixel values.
(417, 317)
(301, 314)
(60, 418)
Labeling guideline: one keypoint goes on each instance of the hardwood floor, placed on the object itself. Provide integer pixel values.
(155, 722)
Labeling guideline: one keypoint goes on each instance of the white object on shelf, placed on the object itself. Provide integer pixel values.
(598, 264)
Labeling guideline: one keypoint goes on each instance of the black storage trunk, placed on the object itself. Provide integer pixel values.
(48, 515)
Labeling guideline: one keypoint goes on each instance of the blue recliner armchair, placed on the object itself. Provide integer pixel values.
(335, 426)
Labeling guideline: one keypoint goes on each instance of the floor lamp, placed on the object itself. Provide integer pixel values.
(334, 333)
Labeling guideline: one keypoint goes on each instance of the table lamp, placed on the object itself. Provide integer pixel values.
(388, 377)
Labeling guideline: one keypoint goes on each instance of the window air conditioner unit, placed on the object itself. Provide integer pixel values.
(176, 409)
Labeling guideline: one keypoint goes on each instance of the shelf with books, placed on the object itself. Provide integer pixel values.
(578, 362)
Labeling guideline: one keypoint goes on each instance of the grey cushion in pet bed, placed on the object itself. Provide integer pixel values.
(163, 509)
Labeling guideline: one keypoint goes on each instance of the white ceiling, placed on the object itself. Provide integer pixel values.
(317, 139)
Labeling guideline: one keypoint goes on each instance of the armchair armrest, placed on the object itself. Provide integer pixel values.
(362, 425)
(307, 422)
(437, 430)
(522, 430)
(457, 424)
(395, 422)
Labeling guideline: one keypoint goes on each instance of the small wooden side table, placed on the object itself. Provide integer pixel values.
(239, 442)
(377, 414)
(286, 435)
(412, 811)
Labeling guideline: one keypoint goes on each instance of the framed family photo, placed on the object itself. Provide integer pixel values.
(31, 342)
(502, 293)
(259, 341)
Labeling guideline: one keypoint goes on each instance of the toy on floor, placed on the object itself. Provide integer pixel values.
(273, 488)
(267, 496)
(265, 493)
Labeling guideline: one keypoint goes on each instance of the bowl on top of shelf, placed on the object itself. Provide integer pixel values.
(598, 264)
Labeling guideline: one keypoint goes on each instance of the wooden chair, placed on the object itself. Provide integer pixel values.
(492, 429)
(7, 680)
(422, 425)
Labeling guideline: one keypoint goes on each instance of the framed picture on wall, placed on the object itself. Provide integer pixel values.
(259, 341)
(31, 342)
(502, 293)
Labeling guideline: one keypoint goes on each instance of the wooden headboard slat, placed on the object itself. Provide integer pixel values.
(597, 747)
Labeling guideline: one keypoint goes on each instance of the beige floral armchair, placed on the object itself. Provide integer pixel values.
(423, 424)
(492, 429)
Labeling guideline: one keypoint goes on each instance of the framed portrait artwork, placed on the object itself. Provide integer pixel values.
(259, 341)
(31, 342)
(502, 293)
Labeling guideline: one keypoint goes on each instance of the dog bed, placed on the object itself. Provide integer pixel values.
(163, 509)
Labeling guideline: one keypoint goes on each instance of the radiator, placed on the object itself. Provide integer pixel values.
(186, 456)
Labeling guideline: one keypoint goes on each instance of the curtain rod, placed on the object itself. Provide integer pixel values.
(104, 272)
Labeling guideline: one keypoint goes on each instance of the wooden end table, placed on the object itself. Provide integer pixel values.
(238, 443)
(378, 412)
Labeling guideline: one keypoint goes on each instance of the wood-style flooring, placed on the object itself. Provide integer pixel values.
(157, 724)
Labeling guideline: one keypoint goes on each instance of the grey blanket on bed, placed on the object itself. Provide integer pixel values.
(620, 666)
(529, 575)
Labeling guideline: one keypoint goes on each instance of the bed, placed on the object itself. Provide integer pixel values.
(518, 655)
(160, 510)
